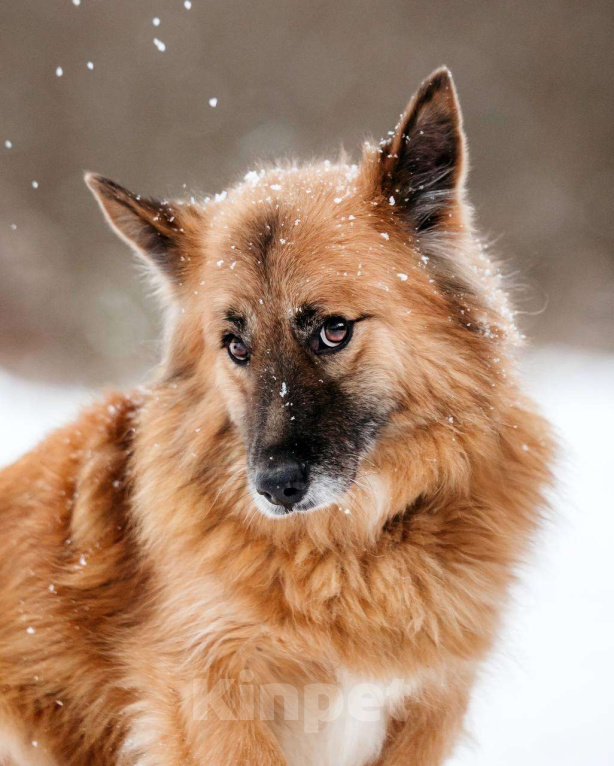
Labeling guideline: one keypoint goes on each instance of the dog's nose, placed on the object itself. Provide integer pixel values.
(283, 482)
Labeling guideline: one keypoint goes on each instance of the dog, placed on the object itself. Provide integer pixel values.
(294, 545)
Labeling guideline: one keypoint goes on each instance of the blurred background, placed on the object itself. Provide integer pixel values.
(176, 96)
(84, 85)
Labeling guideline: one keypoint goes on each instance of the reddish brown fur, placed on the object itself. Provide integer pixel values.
(163, 572)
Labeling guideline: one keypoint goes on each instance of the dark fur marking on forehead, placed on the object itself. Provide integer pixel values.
(261, 232)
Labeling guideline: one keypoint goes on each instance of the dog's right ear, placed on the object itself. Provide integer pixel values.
(155, 230)
(422, 167)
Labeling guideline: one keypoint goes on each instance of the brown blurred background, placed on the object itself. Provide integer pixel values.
(292, 79)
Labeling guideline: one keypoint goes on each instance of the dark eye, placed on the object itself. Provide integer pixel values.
(332, 336)
(237, 350)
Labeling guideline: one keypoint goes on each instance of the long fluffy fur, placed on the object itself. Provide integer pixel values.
(135, 570)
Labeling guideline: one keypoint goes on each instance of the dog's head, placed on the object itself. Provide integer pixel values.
(320, 300)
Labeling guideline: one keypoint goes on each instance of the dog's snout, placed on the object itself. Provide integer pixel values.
(284, 481)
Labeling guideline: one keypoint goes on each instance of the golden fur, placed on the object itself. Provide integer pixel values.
(135, 569)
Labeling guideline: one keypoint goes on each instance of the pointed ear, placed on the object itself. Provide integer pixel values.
(154, 229)
(423, 165)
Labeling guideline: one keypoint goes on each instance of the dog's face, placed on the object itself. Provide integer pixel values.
(312, 292)
(295, 284)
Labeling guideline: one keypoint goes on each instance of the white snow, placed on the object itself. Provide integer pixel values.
(545, 697)
(29, 410)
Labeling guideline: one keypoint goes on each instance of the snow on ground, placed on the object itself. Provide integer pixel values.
(29, 411)
(545, 698)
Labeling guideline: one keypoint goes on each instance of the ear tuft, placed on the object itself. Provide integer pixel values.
(151, 227)
(423, 165)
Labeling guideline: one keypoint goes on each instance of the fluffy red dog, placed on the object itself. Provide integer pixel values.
(294, 546)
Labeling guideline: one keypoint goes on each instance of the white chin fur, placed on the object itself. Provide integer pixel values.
(321, 493)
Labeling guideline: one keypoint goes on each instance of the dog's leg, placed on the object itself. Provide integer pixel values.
(426, 730)
(210, 742)
(238, 742)
(211, 721)
(225, 726)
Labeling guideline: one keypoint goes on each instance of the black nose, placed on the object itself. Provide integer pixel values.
(283, 482)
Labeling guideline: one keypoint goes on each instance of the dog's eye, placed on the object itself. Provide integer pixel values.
(332, 336)
(237, 350)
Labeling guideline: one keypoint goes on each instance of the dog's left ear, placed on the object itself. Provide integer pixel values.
(155, 230)
(422, 166)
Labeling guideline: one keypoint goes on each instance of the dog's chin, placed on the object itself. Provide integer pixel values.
(320, 496)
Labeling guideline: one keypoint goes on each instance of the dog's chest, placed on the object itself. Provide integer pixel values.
(339, 725)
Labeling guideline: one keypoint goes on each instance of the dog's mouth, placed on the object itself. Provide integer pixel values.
(321, 492)
(284, 480)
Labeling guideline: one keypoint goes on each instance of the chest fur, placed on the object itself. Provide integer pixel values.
(341, 724)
